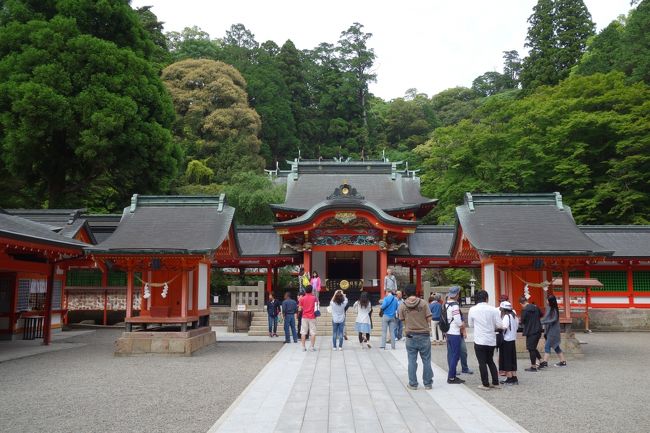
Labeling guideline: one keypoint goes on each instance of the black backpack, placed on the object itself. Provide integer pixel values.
(444, 323)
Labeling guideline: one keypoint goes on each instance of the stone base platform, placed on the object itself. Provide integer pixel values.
(164, 343)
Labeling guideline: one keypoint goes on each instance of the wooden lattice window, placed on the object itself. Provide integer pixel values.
(641, 281)
(613, 281)
(84, 278)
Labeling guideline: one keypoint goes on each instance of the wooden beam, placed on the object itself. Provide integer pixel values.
(383, 266)
(47, 321)
(184, 293)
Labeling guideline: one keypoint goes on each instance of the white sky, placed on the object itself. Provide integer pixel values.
(427, 44)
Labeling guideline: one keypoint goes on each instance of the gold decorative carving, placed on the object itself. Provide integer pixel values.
(344, 284)
(345, 217)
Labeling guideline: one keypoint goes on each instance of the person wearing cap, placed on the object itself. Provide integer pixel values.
(485, 319)
(508, 352)
(456, 326)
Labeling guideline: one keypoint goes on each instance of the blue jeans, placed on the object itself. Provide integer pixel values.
(463, 356)
(387, 324)
(547, 347)
(290, 323)
(273, 324)
(453, 354)
(399, 326)
(419, 344)
(337, 333)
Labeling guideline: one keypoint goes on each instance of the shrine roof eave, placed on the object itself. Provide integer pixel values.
(76, 247)
(345, 204)
(411, 207)
(543, 253)
(149, 252)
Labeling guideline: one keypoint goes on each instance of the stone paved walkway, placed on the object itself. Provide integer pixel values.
(355, 391)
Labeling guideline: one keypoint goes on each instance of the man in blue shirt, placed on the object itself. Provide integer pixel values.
(388, 321)
(289, 309)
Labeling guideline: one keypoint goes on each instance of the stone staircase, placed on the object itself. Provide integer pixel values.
(260, 327)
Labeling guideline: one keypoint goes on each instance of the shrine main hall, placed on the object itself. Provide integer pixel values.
(347, 220)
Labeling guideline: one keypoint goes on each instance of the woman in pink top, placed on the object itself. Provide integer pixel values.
(315, 284)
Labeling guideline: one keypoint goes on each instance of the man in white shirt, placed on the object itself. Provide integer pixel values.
(456, 325)
(485, 320)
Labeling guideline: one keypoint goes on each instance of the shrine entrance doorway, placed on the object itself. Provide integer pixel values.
(344, 265)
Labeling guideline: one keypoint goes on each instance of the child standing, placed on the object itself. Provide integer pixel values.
(508, 352)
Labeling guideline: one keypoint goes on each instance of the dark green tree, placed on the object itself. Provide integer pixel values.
(84, 115)
(557, 37)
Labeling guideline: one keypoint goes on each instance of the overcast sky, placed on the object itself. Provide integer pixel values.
(427, 44)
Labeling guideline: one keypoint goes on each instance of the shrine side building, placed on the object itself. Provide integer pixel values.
(347, 220)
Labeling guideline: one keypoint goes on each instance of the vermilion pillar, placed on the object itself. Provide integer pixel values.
(47, 321)
(306, 260)
(184, 297)
(630, 285)
(383, 266)
(105, 284)
(129, 293)
(418, 281)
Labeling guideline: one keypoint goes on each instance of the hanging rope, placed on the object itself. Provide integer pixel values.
(147, 291)
(529, 284)
(150, 284)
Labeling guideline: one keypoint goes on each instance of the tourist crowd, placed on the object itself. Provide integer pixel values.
(423, 324)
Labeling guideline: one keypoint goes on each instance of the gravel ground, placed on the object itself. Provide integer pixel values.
(605, 391)
(86, 389)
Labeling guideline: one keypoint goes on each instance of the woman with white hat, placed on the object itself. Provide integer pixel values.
(508, 351)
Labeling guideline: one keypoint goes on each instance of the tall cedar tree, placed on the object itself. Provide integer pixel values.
(557, 37)
(85, 116)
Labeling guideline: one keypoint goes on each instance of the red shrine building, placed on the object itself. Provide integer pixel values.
(150, 266)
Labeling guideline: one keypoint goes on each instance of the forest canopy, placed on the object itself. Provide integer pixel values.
(98, 101)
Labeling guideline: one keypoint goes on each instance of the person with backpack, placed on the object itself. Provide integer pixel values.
(551, 322)
(387, 314)
(508, 351)
(451, 323)
(530, 318)
(415, 314)
(485, 320)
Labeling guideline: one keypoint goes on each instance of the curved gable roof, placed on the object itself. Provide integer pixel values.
(523, 224)
(170, 225)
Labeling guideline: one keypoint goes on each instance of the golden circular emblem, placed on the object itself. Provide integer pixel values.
(345, 190)
(344, 284)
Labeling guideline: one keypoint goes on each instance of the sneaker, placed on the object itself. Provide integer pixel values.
(414, 388)
(455, 381)
(304, 349)
(531, 369)
(468, 371)
(512, 382)
(543, 364)
(340, 349)
(313, 349)
(493, 386)
(428, 386)
(560, 364)
(484, 388)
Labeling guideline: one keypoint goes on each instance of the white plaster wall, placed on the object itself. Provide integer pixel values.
(202, 302)
(489, 282)
(369, 266)
(318, 264)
